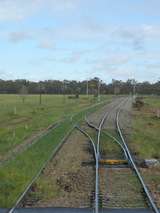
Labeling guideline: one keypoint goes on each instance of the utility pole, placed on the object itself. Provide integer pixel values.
(40, 94)
(64, 91)
(99, 87)
(134, 89)
(87, 88)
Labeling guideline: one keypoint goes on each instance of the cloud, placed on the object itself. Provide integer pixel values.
(5, 75)
(137, 36)
(78, 55)
(90, 30)
(109, 61)
(151, 31)
(153, 66)
(133, 36)
(148, 7)
(18, 9)
(121, 73)
(61, 5)
(46, 44)
(17, 37)
(2, 72)
(73, 57)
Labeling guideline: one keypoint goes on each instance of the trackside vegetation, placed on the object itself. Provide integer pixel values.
(17, 174)
(19, 120)
(146, 125)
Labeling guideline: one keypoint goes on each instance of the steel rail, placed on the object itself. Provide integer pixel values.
(97, 169)
(94, 126)
(149, 197)
(126, 152)
(118, 142)
(40, 171)
(109, 135)
(11, 210)
(97, 162)
(91, 140)
(87, 108)
(99, 129)
(90, 124)
(96, 151)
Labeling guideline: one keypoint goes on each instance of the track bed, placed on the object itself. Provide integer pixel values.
(69, 178)
(65, 182)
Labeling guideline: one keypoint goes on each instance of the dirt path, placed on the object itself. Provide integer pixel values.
(66, 182)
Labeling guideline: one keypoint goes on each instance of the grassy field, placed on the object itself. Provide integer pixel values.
(17, 173)
(146, 126)
(20, 120)
(146, 143)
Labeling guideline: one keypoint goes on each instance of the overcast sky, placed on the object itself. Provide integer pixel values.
(80, 39)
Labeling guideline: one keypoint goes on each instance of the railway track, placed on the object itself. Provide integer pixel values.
(98, 196)
(127, 154)
(96, 148)
(19, 200)
(54, 152)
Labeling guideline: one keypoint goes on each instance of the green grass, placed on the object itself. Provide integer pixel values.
(16, 174)
(145, 136)
(153, 101)
(109, 148)
(19, 120)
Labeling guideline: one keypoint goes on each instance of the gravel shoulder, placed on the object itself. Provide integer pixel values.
(120, 189)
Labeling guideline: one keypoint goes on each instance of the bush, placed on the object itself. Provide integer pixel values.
(139, 103)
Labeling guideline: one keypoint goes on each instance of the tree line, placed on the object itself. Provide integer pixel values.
(92, 86)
